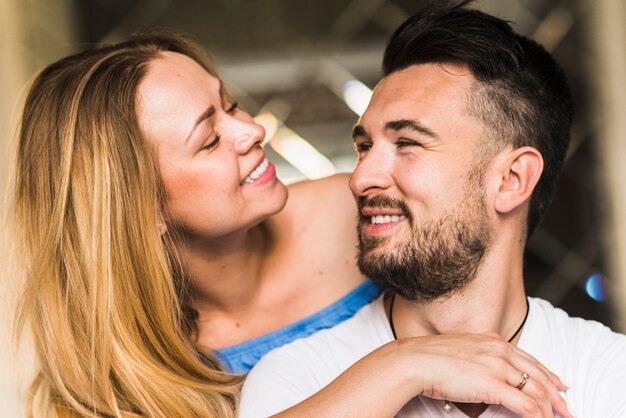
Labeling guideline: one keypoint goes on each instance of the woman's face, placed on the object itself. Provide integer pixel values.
(217, 180)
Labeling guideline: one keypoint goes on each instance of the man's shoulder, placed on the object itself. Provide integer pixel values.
(342, 343)
(558, 323)
(587, 355)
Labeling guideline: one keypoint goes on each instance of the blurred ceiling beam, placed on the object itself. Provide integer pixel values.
(257, 75)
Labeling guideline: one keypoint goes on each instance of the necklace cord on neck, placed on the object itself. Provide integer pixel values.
(393, 329)
(522, 324)
(395, 337)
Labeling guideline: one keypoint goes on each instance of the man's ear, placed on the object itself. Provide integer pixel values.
(520, 173)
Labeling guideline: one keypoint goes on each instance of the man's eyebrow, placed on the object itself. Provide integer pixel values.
(397, 125)
(205, 115)
(359, 130)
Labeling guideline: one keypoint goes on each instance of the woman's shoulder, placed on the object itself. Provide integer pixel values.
(315, 198)
(319, 211)
(315, 241)
(331, 187)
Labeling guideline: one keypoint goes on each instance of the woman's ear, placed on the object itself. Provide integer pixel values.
(520, 174)
(161, 225)
(161, 228)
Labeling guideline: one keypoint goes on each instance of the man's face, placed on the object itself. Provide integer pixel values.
(423, 225)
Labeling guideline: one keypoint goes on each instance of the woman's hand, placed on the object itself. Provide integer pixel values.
(478, 368)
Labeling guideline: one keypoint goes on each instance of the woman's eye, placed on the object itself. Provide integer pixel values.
(212, 144)
(232, 107)
(362, 147)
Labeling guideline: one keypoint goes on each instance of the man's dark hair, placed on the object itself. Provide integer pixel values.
(521, 93)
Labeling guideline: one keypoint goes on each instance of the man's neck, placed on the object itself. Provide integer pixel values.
(493, 302)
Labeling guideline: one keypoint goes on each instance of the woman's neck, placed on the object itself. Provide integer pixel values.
(231, 290)
(226, 274)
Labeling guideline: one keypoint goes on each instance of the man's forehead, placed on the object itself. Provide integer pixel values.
(422, 88)
(429, 77)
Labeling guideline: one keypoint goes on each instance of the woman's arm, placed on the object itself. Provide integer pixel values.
(459, 368)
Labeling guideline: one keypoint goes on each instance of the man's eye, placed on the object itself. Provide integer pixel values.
(212, 144)
(232, 107)
(401, 143)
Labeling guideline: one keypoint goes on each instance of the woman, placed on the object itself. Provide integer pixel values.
(246, 249)
(153, 235)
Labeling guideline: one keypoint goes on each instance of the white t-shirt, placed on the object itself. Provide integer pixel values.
(586, 355)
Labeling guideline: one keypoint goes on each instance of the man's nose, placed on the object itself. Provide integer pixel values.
(372, 174)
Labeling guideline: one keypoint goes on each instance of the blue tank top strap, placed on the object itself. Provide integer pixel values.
(242, 357)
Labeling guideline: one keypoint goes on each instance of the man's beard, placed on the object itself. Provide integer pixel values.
(441, 257)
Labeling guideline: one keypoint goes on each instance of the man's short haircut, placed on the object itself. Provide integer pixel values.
(521, 94)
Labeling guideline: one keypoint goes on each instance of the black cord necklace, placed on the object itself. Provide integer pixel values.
(447, 406)
(395, 337)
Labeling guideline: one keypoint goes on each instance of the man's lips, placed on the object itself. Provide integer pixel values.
(380, 214)
(380, 221)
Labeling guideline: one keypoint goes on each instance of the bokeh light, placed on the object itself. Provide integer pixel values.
(269, 122)
(594, 287)
(356, 95)
(301, 154)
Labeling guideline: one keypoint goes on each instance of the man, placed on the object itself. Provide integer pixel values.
(459, 152)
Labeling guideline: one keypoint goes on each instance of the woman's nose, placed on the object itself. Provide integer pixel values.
(246, 133)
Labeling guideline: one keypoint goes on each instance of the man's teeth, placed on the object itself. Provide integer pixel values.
(383, 219)
(257, 172)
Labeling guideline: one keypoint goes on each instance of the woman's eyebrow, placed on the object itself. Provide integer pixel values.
(205, 115)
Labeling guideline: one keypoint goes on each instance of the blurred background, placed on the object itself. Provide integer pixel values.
(306, 70)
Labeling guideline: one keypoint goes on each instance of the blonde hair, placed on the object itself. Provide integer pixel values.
(103, 294)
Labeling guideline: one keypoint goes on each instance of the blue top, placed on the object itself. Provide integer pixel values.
(242, 357)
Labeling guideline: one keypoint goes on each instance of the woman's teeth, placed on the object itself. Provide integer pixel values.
(257, 172)
(383, 219)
